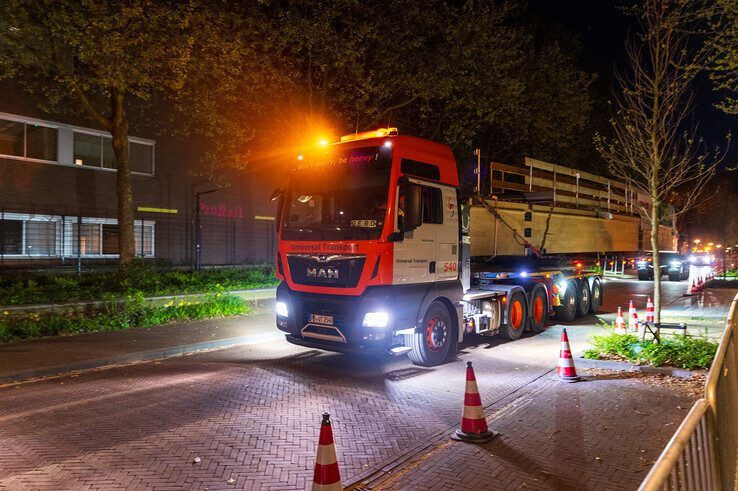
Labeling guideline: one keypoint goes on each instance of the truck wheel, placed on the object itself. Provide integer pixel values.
(584, 298)
(516, 317)
(538, 310)
(430, 346)
(596, 301)
(643, 276)
(567, 312)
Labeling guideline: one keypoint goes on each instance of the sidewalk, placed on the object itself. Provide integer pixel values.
(35, 358)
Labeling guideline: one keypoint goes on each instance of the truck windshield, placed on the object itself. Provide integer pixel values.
(341, 195)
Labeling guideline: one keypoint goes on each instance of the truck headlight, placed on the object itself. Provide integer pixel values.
(376, 319)
(640, 264)
(282, 310)
(562, 287)
(675, 264)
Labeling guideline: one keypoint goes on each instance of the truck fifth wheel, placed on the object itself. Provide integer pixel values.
(374, 255)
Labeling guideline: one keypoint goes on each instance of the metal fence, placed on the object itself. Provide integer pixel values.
(83, 241)
(703, 452)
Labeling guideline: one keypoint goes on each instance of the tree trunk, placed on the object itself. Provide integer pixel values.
(119, 130)
(656, 262)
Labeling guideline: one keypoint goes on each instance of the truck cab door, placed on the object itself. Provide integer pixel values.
(417, 254)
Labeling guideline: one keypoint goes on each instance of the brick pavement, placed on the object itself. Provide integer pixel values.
(252, 414)
(604, 433)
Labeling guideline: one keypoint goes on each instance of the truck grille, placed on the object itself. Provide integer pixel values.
(341, 271)
(335, 332)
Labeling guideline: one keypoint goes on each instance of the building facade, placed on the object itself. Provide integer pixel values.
(58, 203)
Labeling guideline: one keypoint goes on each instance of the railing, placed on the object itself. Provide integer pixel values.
(703, 452)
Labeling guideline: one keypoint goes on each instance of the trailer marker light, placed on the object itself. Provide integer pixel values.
(281, 308)
(376, 319)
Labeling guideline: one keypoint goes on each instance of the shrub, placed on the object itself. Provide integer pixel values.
(679, 351)
(139, 278)
(132, 312)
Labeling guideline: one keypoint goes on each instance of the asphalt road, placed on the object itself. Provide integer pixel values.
(251, 414)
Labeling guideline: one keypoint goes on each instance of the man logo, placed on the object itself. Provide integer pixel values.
(322, 273)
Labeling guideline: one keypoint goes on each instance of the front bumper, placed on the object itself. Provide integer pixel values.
(345, 333)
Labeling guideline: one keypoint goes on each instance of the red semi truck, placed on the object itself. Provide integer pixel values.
(373, 254)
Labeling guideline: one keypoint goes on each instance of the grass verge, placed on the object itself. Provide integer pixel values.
(678, 351)
(134, 312)
(139, 279)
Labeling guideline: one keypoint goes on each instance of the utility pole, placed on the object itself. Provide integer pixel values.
(198, 228)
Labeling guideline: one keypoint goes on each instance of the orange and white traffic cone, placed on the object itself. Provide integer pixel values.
(473, 423)
(326, 476)
(565, 368)
(694, 290)
(700, 284)
(632, 318)
(619, 321)
(649, 311)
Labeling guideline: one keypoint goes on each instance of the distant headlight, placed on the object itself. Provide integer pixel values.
(376, 319)
(281, 308)
(641, 263)
(706, 259)
(692, 259)
(675, 263)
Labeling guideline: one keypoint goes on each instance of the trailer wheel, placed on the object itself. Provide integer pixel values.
(431, 345)
(516, 316)
(584, 298)
(538, 310)
(596, 301)
(567, 311)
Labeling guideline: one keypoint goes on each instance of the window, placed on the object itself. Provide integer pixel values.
(11, 236)
(40, 238)
(97, 151)
(41, 142)
(26, 140)
(100, 237)
(142, 158)
(110, 239)
(144, 247)
(420, 169)
(432, 205)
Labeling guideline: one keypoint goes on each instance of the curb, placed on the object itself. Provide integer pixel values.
(137, 357)
(629, 367)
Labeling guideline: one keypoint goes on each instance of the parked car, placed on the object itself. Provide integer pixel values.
(676, 266)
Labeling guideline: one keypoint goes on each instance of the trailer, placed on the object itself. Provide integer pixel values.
(379, 252)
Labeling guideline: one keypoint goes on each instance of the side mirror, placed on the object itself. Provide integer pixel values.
(276, 194)
(410, 208)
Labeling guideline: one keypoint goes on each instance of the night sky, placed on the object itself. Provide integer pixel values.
(602, 30)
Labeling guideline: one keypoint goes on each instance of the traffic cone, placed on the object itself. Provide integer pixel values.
(632, 318)
(649, 311)
(700, 284)
(326, 476)
(473, 423)
(694, 290)
(619, 321)
(565, 369)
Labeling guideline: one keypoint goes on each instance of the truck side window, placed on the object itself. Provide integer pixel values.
(432, 205)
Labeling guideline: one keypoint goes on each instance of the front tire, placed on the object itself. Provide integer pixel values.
(431, 345)
(516, 317)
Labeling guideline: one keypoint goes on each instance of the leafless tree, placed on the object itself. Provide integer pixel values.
(655, 148)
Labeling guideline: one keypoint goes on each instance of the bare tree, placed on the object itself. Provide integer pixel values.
(654, 147)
